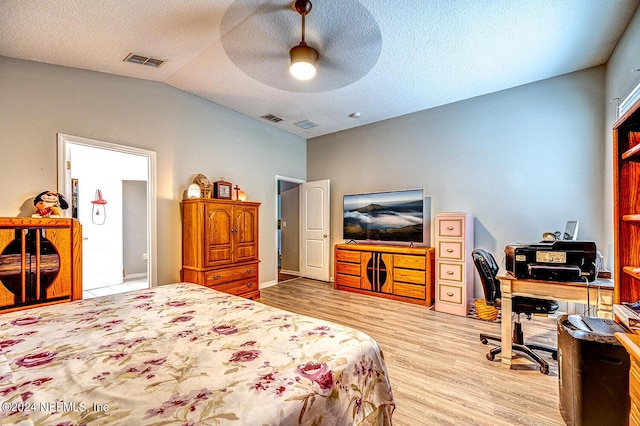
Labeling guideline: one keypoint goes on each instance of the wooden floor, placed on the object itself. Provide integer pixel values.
(436, 363)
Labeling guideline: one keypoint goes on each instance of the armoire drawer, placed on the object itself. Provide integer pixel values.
(237, 288)
(221, 276)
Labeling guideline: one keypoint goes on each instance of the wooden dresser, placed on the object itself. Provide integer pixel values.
(454, 266)
(220, 245)
(40, 262)
(393, 272)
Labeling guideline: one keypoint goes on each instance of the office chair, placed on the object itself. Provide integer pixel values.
(487, 269)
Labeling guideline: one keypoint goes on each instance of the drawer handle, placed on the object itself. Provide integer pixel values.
(249, 285)
(450, 228)
(250, 271)
(449, 294)
(450, 272)
(449, 250)
(216, 277)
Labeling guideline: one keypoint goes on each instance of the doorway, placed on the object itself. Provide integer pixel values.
(113, 192)
(288, 228)
(302, 232)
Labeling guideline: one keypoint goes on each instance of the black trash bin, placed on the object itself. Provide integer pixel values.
(593, 374)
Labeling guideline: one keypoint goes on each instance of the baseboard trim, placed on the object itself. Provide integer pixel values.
(296, 273)
(268, 284)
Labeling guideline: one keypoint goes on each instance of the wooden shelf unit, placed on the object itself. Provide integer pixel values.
(394, 272)
(40, 262)
(626, 190)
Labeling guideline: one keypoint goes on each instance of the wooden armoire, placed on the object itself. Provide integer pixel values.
(220, 245)
(40, 262)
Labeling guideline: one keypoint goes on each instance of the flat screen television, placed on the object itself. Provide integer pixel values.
(396, 216)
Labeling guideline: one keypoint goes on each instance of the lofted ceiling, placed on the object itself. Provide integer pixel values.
(378, 59)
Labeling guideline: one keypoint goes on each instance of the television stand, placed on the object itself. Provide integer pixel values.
(395, 272)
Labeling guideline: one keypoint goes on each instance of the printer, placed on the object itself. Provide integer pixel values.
(562, 260)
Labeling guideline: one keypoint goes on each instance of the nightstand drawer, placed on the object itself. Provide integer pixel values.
(450, 271)
(450, 293)
(451, 250)
(453, 228)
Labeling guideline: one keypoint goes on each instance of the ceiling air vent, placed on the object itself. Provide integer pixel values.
(143, 60)
(272, 118)
(306, 124)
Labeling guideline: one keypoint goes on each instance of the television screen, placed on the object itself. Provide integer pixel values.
(384, 216)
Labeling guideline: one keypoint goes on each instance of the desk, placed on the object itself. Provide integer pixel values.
(600, 294)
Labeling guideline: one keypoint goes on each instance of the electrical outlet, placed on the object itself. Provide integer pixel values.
(145, 256)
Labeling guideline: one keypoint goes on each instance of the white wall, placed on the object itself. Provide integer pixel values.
(521, 161)
(189, 134)
(103, 245)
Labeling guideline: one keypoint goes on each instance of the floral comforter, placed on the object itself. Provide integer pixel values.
(184, 354)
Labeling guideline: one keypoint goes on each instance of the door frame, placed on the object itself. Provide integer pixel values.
(64, 186)
(283, 179)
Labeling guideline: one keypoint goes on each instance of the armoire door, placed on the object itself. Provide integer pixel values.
(245, 230)
(218, 238)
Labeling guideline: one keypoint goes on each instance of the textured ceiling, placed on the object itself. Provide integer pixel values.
(379, 58)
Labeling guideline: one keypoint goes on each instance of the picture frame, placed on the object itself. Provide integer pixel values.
(222, 189)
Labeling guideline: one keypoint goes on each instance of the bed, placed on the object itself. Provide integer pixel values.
(185, 354)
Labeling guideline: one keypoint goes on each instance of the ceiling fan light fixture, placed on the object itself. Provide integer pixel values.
(303, 61)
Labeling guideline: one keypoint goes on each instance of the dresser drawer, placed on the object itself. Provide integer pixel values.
(413, 276)
(410, 290)
(452, 228)
(221, 276)
(450, 293)
(348, 268)
(348, 256)
(450, 250)
(409, 262)
(450, 271)
(347, 280)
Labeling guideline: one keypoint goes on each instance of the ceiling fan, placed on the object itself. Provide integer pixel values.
(345, 36)
(303, 57)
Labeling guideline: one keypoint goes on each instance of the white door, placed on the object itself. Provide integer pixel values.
(314, 230)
